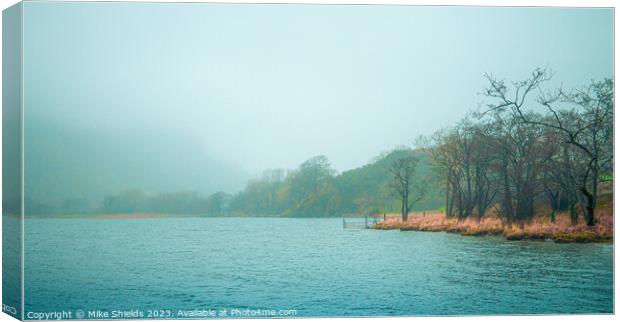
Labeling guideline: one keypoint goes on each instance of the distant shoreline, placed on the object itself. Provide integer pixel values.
(163, 215)
(107, 216)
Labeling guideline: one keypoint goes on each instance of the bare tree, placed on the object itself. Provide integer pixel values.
(403, 184)
(441, 151)
(586, 126)
(462, 156)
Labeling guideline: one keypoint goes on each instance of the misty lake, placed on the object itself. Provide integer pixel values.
(311, 266)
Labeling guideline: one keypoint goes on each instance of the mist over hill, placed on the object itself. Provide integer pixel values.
(135, 171)
(83, 166)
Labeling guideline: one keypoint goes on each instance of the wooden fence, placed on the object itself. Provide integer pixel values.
(362, 222)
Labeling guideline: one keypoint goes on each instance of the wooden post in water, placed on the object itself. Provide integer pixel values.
(366, 217)
(343, 223)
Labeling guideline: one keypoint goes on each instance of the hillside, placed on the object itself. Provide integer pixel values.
(315, 190)
(366, 189)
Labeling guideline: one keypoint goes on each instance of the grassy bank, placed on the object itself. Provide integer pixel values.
(540, 228)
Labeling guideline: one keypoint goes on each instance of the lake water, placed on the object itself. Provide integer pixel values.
(311, 266)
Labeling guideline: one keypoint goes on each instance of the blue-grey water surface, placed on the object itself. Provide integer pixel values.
(312, 266)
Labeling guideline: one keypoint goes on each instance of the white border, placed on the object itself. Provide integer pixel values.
(494, 3)
(506, 3)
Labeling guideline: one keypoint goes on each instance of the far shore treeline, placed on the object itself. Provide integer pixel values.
(527, 147)
(314, 189)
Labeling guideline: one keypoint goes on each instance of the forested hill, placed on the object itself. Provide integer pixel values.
(314, 189)
(367, 189)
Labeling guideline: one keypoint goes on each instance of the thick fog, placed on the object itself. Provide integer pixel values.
(166, 97)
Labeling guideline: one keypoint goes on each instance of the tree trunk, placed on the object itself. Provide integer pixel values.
(594, 191)
(448, 198)
(573, 215)
(507, 204)
(450, 209)
(404, 212)
(589, 206)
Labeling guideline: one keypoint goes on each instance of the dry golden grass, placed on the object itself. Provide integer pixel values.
(539, 228)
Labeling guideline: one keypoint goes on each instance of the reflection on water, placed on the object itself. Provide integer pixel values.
(311, 265)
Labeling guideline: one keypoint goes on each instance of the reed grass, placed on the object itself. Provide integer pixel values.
(539, 228)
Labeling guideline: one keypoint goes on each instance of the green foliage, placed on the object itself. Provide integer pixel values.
(312, 190)
(315, 190)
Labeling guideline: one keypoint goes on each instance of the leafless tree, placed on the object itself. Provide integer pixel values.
(585, 123)
(403, 184)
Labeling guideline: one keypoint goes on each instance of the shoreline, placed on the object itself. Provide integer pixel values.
(104, 216)
(163, 216)
(539, 229)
